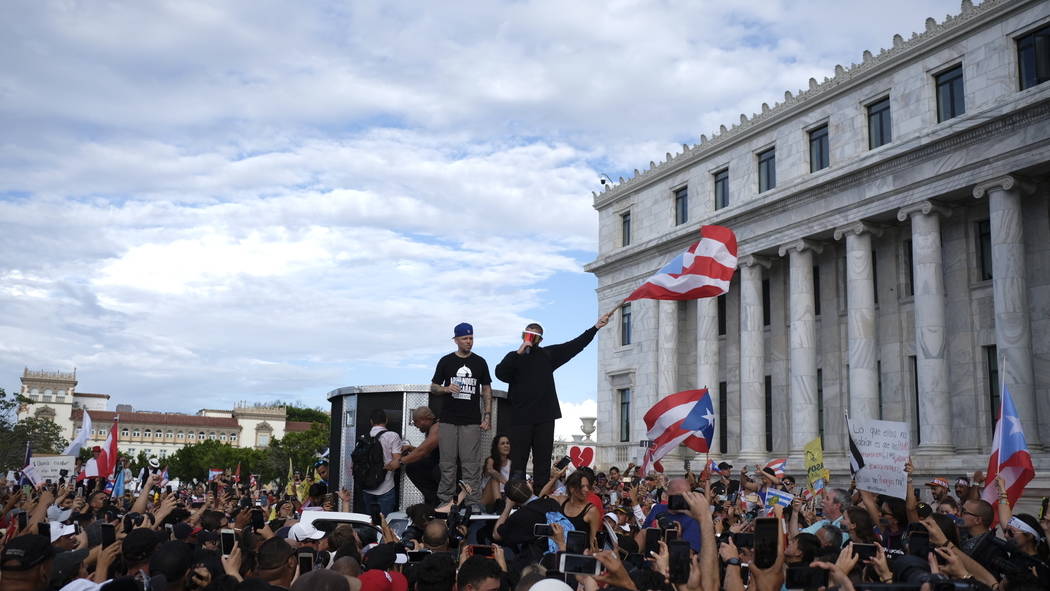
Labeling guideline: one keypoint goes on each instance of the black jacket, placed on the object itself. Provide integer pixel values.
(532, 394)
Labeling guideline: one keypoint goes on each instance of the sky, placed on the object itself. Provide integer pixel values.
(210, 202)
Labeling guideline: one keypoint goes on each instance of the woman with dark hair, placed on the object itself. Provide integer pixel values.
(1027, 539)
(583, 514)
(859, 525)
(497, 470)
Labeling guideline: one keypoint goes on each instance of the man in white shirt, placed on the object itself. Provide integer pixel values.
(385, 495)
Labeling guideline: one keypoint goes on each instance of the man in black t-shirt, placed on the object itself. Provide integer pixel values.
(462, 378)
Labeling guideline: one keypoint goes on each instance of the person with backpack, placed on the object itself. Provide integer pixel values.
(375, 459)
(462, 378)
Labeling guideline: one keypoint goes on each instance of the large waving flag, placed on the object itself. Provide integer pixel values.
(1010, 458)
(703, 271)
(777, 466)
(685, 418)
(82, 437)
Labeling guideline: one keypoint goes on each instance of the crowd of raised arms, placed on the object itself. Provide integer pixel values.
(578, 530)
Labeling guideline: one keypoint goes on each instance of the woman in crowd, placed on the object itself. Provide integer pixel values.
(583, 514)
(497, 471)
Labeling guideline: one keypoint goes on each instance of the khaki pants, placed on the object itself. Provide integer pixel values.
(462, 443)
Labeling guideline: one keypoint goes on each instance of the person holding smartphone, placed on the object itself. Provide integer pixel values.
(462, 379)
(533, 397)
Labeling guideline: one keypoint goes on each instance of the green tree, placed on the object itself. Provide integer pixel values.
(302, 447)
(44, 436)
(303, 413)
(194, 461)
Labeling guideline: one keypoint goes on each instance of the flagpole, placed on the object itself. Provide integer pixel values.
(1002, 401)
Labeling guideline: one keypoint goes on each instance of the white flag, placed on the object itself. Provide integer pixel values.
(82, 437)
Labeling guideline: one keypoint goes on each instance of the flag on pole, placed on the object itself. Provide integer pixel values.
(82, 437)
(164, 477)
(289, 488)
(1010, 458)
(118, 482)
(856, 459)
(28, 472)
(107, 460)
(777, 466)
(776, 497)
(702, 271)
(684, 418)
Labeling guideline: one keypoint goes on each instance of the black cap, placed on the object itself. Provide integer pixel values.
(139, 544)
(25, 552)
(67, 565)
(725, 466)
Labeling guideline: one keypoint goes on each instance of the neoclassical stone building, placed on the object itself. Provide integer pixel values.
(894, 233)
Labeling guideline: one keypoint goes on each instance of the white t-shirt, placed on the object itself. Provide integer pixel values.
(391, 443)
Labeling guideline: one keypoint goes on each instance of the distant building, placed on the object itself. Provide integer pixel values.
(53, 396)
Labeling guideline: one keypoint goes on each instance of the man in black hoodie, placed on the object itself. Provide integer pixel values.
(529, 372)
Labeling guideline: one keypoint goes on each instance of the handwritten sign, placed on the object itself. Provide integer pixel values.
(885, 446)
(50, 467)
(816, 474)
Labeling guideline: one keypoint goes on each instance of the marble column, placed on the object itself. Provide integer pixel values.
(707, 356)
(667, 349)
(931, 342)
(862, 334)
(752, 359)
(802, 344)
(1013, 335)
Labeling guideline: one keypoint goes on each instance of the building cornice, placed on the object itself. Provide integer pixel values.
(844, 80)
(913, 152)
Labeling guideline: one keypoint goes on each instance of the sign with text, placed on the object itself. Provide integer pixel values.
(51, 467)
(885, 447)
(816, 474)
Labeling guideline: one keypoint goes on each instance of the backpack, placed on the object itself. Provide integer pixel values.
(368, 463)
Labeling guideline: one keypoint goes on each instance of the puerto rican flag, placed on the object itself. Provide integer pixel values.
(1010, 458)
(703, 271)
(777, 466)
(685, 418)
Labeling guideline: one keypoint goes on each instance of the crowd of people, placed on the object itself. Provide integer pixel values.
(579, 529)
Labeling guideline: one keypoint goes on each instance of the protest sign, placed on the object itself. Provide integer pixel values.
(885, 447)
(816, 474)
(51, 467)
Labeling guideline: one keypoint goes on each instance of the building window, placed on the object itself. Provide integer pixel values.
(769, 413)
(879, 132)
(262, 439)
(1033, 57)
(681, 206)
(984, 249)
(233, 437)
(171, 435)
(819, 158)
(991, 354)
(180, 435)
(625, 413)
(212, 435)
(147, 433)
(820, 404)
(722, 188)
(136, 433)
(767, 315)
(625, 228)
(163, 453)
(909, 268)
(917, 423)
(767, 170)
(721, 314)
(950, 102)
(625, 325)
(816, 290)
(723, 417)
(200, 436)
(222, 437)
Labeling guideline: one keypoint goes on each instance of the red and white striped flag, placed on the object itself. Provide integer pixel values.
(703, 271)
(684, 418)
(777, 466)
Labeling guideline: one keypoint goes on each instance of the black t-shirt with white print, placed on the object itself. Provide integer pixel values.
(471, 373)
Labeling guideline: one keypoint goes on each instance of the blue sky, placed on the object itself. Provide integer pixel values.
(210, 202)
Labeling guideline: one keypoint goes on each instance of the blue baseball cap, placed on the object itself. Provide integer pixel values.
(463, 329)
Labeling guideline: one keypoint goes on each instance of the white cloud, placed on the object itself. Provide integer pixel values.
(571, 412)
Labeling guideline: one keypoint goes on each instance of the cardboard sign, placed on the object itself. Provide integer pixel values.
(817, 475)
(885, 447)
(50, 467)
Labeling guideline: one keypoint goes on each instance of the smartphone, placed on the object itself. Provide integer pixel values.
(744, 540)
(44, 529)
(679, 560)
(258, 520)
(670, 535)
(377, 516)
(806, 577)
(918, 544)
(924, 510)
(867, 551)
(627, 480)
(228, 537)
(417, 555)
(677, 503)
(306, 562)
(109, 534)
(477, 550)
(653, 535)
(23, 520)
(169, 531)
(766, 532)
(542, 530)
(578, 564)
(562, 463)
(576, 542)
(601, 539)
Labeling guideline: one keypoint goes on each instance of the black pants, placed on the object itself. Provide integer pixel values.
(537, 439)
(425, 474)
